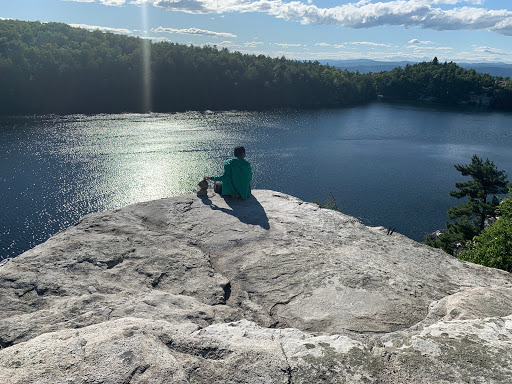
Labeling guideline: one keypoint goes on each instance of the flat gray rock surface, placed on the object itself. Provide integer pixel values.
(265, 290)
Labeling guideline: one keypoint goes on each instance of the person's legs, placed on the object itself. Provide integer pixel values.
(217, 187)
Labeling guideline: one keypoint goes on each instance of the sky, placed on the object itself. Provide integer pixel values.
(385, 30)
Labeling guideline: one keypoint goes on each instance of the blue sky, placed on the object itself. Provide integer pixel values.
(388, 30)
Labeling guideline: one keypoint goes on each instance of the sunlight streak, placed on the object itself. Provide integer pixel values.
(146, 61)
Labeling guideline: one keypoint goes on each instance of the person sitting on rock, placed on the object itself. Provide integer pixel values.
(236, 180)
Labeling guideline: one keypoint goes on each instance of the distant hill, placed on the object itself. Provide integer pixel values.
(367, 65)
(493, 69)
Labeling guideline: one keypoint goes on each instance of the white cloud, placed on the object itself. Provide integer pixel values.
(490, 50)
(323, 44)
(225, 43)
(339, 46)
(427, 48)
(287, 45)
(253, 44)
(431, 49)
(104, 2)
(416, 41)
(5, 18)
(247, 47)
(479, 57)
(192, 31)
(453, 2)
(363, 14)
(370, 44)
(504, 27)
(106, 29)
(153, 38)
(113, 2)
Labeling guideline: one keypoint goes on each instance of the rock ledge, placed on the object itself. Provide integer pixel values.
(266, 290)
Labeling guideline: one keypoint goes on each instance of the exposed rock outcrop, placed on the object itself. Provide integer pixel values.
(266, 290)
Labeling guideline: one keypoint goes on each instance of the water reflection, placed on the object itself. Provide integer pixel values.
(387, 164)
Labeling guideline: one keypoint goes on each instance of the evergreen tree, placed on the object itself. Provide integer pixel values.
(468, 219)
(486, 181)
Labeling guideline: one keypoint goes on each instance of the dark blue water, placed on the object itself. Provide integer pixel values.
(389, 165)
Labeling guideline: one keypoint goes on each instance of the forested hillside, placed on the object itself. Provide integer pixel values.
(446, 83)
(54, 68)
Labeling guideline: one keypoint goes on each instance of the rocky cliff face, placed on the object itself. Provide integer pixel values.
(267, 290)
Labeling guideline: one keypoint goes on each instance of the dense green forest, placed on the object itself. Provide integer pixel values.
(54, 68)
(445, 83)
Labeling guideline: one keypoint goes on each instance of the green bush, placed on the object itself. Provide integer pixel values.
(493, 247)
(329, 204)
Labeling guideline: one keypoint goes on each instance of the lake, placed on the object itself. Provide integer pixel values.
(387, 164)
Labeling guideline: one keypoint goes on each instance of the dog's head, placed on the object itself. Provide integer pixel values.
(203, 184)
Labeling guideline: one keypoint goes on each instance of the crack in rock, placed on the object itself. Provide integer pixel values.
(157, 281)
(112, 263)
(209, 352)
(289, 367)
(99, 263)
(225, 287)
(138, 371)
(272, 313)
(5, 343)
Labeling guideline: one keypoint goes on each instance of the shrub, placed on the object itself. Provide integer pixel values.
(493, 247)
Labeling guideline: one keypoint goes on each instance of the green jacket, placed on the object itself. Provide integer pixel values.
(236, 178)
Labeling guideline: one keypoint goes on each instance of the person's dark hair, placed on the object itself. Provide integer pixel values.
(239, 151)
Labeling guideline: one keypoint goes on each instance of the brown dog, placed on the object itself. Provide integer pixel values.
(203, 192)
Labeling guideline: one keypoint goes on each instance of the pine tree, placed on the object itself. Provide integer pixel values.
(486, 181)
(468, 219)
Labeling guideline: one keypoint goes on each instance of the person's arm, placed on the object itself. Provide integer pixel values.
(225, 176)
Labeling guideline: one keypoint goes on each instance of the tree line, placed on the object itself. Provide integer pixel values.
(54, 68)
(445, 83)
